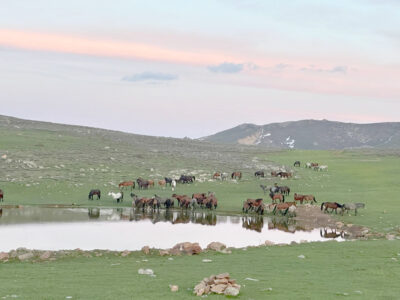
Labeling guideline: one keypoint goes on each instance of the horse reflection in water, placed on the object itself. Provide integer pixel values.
(285, 224)
(330, 234)
(253, 223)
(94, 213)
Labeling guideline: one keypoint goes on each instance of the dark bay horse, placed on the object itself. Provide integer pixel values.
(168, 180)
(332, 205)
(1, 195)
(296, 163)
(259, 174)
(94, 192)
(236, 175)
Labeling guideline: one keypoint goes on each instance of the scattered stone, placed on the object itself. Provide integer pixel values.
(46, 255)
(164, 252)
(390, 237)
(216, 246)
(4, 256)
(251, 279)
(170, 258)
(303, 241)
(125, 253)
(269, 243)
(25, 256)
(146, 250)
(301, 256)
(146, 272)
(350, 225)
(174, 288)
(225, 251)
(339, 225)
(186, 248)
(206, 260)
(220, 284)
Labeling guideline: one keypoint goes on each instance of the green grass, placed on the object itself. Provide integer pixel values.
(331, 270)
(69, 164)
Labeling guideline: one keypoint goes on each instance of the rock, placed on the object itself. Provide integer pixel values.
(25, 256)
(339, 225)
(164, 252)
(231, 291)
(146, 250)
(269, 243)
(349, 225)
(223, 275)
(218, 288)
(216, 246)
(301, 256)
(186, 248)
(4, 256)
(174, 288)
(225, 251)
(206, 260)
(146, 272)
(303, 241)
(125, 253)
(46, 255)
(390, 237)
(251, 279)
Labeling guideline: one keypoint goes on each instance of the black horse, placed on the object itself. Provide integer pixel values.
(168, 181)
(259, 174)
(296, 163)
(94, 192)
(186, 179)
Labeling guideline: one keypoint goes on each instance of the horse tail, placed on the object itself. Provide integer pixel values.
(339, 205)
(322, 205)
(274, 210)
(286, 210)
(283, 198)
(314, 199)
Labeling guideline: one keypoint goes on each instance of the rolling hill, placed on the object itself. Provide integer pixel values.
(313, 135)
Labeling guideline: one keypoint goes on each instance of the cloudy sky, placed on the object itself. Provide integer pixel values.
(192, 68)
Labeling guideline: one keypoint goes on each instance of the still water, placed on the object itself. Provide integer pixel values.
(120, 229)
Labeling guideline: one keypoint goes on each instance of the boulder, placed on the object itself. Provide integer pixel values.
(25, 256)
(231, 291)
(145, 272)
(219, 284)
(125, 253)
(4, 256)
(164, 252)
(269, 243)
(174, 288)
(216, 246)
(218, 288)
(186, 248)
(46, 255)
(146, 250)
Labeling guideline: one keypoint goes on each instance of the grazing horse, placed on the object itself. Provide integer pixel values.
(302, 198)
(168, 181)
(94, 192)
(236, 175)
(277, 196)
(274, 174)
(285, 190)
(284, 174)
(117, 196)
(186, 179)
(210, 202)
(352, 206)
(264, 188)
(143, 184)
(200, 197)
(126, 184)
(217, 175)
(332, 205)
(259, 174)
(1, 195)
(282, 207)
(296, 163)
(253, 204)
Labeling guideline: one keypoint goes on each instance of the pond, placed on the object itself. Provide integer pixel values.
(124, 228)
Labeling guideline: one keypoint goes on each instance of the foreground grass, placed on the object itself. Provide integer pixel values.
(330, 270)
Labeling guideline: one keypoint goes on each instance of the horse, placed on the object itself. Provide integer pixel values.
(259, 174)
(94, 212)
(321, 168)
(296, 163)
(179, 198)
(173, 184)
(210, 202)
(284, 174)
(285, 190)
(200, 197)
(332, 205)
(236, 175)
(168, 181)
(253, 204)
(282, 207)
(311, 165)
(143, 184)
(126, 184)
(352, 206)
(117, 196)
(166, 202)
(186, 179)
(151, 182)
(217, 175)
(274, 174)
(162, 182)
(301, 198)
(253, 223)
(1, 195)
(264, 188)
(277, 196)
(94, 192)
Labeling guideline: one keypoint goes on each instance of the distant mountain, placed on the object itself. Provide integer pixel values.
(312, 134)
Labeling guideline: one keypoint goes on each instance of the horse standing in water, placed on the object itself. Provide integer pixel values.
(1, 195)
(94, 192)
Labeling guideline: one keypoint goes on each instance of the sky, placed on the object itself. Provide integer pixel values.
(192, 68)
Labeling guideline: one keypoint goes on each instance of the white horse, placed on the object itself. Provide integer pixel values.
(173, 184)
(323, 168)
(117, 196)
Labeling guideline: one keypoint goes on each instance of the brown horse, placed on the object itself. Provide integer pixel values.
(179, 198)
(151, 182)
(283, 207)
(277, 196)
(162, 182)
(332, 205)
(236, 175)
(216, 175)
(253, 204)
(284, 174)
(302, 198)
(1, 195)
(274, 174)
(126, 184)
(210, 202)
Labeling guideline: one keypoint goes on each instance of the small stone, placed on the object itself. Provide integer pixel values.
(206, 260)
(231, 291)
(146, 272)
(170, 258)
(301, 256)
(218, 288)
(25, 256)
(174, 288)
(269, 243)
(216, 246)
(251, 279)
(221, 281)
(223, 275)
